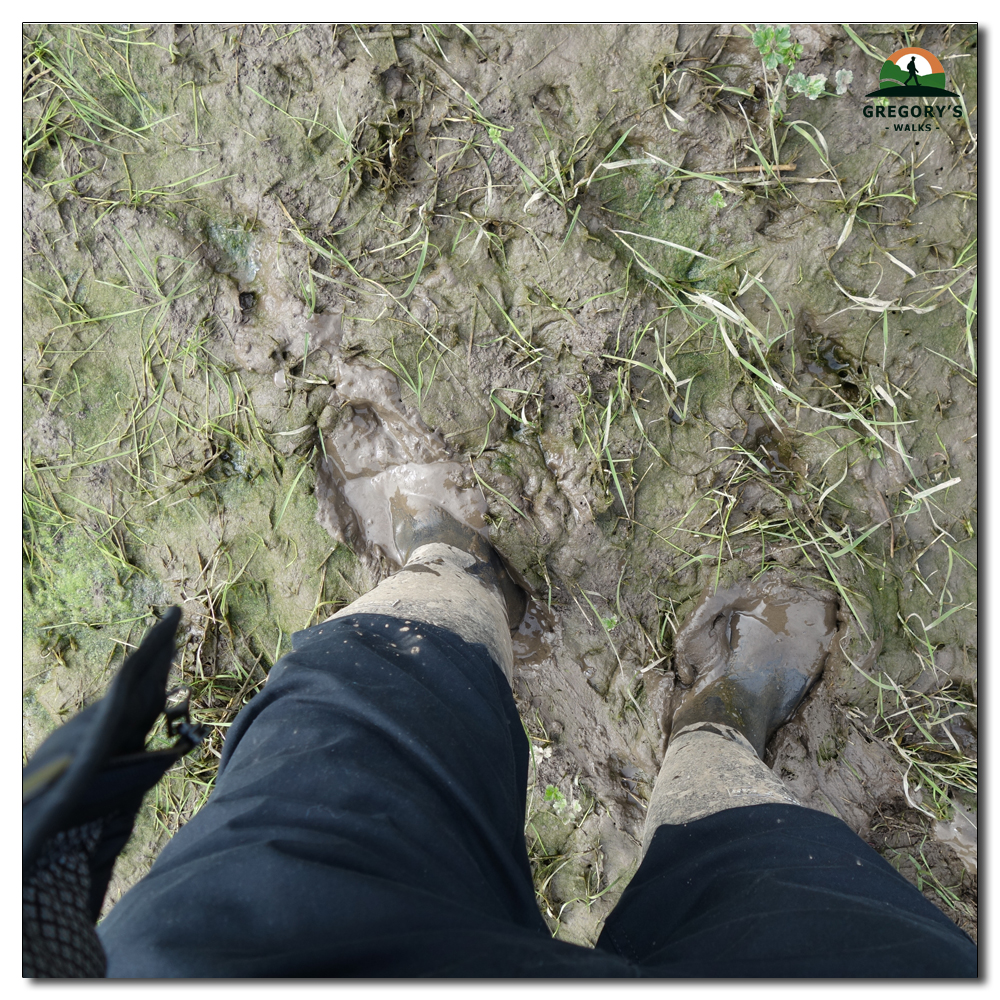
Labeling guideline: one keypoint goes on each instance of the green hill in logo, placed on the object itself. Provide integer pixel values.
(892, 83)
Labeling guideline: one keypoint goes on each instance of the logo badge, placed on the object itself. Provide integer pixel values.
(912, 72)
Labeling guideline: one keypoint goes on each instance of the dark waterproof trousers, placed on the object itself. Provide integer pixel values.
(368, 820)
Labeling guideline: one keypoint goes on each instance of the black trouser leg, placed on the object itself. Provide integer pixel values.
(778, 890)
(368, 820)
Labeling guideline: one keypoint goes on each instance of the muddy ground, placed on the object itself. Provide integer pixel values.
(682, 326)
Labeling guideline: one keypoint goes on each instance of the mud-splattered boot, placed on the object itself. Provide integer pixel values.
(745, 661)
(417, 522)
(451, 577)
(749, 655)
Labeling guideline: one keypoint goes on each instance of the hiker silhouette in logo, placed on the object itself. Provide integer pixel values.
(911, 68)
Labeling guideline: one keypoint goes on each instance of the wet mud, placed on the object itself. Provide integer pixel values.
(536, 274)
(961, 832)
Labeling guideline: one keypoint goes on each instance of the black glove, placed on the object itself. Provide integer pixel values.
(80, 795)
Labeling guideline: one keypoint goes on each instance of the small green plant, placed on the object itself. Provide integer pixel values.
(555, 798)
(776, 48)
(814, 86)
(717, 201)
(811, 86)
(842, 80)
(775, 45)
(561, 806)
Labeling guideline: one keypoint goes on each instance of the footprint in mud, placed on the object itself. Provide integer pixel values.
(749, 655)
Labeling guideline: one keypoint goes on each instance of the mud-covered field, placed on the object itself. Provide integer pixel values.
(681, 325)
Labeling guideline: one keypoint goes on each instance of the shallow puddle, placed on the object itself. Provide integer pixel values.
(533, 640)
